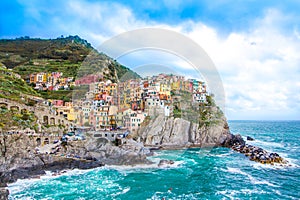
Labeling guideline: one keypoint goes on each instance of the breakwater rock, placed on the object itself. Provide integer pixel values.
(259, 155)
(237, 143)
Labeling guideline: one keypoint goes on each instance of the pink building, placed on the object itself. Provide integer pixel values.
(58, 102)
(88, 79)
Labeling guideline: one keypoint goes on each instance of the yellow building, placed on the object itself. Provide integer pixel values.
(46, 77)
(62, 81)
(72, 115)
(32, 78)
(111, 89)
(165, 89)
(175, 85)
(102, 87)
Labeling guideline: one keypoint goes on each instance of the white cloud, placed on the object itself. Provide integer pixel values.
(260, 67)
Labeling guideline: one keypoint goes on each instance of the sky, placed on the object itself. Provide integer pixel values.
(254, 44)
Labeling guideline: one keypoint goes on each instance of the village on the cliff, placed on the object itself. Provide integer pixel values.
(108, 106)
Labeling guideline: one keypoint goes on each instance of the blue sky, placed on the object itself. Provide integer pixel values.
(254, 44)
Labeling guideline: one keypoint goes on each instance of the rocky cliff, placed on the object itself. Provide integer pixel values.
(18, 151)
(170, 132)
(19, 159)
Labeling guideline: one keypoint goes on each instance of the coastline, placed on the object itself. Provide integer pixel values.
(62, 165)
(57, 166)
(93, 155)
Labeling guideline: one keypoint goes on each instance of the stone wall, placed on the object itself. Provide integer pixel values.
(43, 113)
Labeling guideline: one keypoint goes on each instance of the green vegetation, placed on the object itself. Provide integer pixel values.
(12, 118)
(205, 114)
(210, 114)
(184, 106)
(67, 55)
(65, 95)
(99, 63)
(146, 121)
(12, 87)
(68, 68)
(23, 50)
(177, 112)
(72, 56)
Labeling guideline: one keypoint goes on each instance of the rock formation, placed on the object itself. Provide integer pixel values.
(257, 154)
(19, 159)
(170, 132)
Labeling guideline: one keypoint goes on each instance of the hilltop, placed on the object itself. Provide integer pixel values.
(71, 55)
(28, 55)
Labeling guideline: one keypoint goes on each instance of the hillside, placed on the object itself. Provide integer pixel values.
(12, 86)
(25, 55)
(72, 56)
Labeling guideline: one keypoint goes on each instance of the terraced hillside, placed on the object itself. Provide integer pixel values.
(72, 56)
(12, 86)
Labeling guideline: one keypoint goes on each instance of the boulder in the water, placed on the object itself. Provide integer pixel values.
(250, 138)
(163, 163)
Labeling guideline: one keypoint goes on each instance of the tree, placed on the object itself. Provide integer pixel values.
(86, 124)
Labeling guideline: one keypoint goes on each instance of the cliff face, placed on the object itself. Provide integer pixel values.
(19, 159)
(170, 132)
(17, 150)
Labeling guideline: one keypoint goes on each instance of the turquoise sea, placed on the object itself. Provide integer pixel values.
(217, 173)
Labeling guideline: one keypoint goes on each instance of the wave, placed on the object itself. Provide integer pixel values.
(266, 144)
(225, 154)
(231, 194)
(251, 178)
(123, 191)
(138, 168)
(22, 184)
(170, 195)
